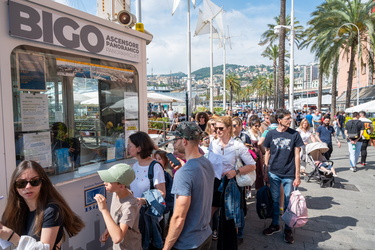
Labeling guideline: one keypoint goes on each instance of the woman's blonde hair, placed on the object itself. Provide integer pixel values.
(308, 124)
(227, 121)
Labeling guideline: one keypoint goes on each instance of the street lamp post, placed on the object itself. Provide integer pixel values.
(359, 54)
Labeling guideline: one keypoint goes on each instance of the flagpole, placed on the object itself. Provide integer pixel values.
(188, 107)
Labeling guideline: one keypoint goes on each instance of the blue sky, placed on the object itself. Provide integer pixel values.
(246, 19)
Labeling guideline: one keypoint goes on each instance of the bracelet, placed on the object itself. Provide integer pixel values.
(238, 171)
(10, 236)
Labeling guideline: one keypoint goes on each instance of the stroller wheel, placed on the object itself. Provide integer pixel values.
(332, 183)
(321, 183)
(307, 178)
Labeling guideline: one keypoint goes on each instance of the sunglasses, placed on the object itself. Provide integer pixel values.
(219, 128)
(206, 139)
(257, 126)
(23, 183)
(201, 117)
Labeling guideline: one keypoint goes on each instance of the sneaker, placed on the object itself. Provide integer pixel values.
(354, 169)
(288, 236)
(248, 194)
(335, 175)
(271, 230)
(214, 235)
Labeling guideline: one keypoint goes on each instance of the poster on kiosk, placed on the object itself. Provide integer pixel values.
(71, 93)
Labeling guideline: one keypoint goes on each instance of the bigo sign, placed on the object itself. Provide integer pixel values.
(47, 27)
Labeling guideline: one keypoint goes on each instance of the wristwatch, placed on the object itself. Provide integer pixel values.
(238, 171)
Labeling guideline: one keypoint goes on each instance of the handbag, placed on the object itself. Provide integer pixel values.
(244, 180)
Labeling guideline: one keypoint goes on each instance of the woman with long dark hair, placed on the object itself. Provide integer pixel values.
(37, 209)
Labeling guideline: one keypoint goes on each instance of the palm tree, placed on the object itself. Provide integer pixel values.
(325, 25)
(270, 37)
(233, 84)
(272, 53)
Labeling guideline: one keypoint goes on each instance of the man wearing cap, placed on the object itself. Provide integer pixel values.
(192, 185)
(122, 220)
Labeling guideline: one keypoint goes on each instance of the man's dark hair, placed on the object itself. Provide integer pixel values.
(363, 113)
(355, 114)
(326, 117)
(281, 113)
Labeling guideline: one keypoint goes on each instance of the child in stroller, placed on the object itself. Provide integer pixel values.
(323, 171)
(326, 168)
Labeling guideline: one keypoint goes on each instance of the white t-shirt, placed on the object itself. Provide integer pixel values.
(141, 182)
(305, 135)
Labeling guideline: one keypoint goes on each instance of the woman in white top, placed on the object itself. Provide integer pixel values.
(307, 136)
(140, 146)
(223, 153)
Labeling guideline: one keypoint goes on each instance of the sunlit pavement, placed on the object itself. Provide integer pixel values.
(341, 217)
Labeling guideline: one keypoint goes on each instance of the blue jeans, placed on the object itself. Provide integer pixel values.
(340, 130)
(354, 154)
(275, 182)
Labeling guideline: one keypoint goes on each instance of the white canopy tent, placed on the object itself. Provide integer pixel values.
(152, 97)
(367, 107)
(298, 104)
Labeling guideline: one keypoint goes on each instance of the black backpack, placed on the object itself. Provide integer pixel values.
(169, 197)
(264, 203)
(352, 128)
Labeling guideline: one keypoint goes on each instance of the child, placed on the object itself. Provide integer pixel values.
(205, 143)
(161, 157)
(326, 168)
(122, 220)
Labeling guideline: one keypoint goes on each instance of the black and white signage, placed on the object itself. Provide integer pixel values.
(48, 27)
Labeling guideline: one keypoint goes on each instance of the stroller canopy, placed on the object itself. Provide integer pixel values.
(316, 148)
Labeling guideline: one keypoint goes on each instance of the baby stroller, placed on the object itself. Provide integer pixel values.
(314, 152)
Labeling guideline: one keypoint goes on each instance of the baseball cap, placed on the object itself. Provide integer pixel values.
(122, 173)
(188, 130)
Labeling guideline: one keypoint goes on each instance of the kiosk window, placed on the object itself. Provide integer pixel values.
(71, 111)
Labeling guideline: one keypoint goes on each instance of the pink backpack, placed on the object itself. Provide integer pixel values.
(296, 214)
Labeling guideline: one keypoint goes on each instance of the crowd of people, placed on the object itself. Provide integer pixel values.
(208, 203)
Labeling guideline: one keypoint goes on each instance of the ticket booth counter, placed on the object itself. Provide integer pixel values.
(73, 88)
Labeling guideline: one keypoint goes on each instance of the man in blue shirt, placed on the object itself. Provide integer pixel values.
(324, 134)
(192, 185)
(309, 118)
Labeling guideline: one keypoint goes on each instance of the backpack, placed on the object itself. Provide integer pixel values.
(353, 131)
(169, 197)
(264, 204)
(367, 130)
(296, 214)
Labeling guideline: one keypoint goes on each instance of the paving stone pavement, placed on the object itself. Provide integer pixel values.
(339, 218)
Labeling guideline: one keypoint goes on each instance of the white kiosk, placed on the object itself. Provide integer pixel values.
(63, 74)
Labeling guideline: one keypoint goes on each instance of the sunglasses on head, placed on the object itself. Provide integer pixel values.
(23, 183)
(219, 128)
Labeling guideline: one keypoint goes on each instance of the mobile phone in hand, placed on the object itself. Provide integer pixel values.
(173, 159)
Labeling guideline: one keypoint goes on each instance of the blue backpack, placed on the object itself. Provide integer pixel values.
(169, 197)
(264, 204)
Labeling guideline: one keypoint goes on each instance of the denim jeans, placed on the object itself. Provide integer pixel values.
(275, 182)
(354, 154)
(340, 130)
